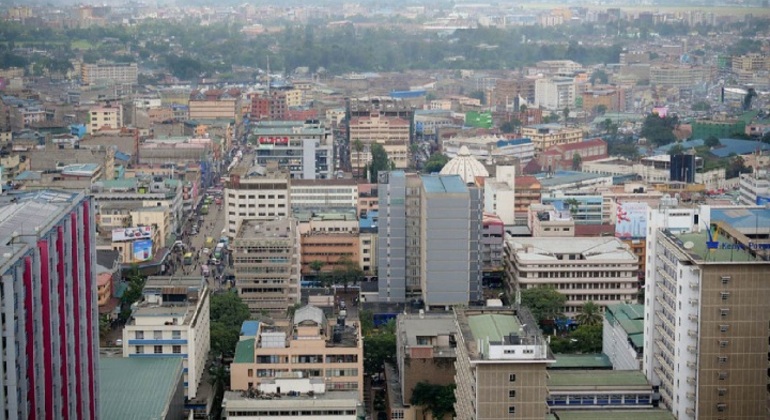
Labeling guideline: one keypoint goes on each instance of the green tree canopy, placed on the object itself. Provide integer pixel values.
(380, 161)
(438, 399)
(590, 314)
(435, 163)
(577, 160)
(545, 303)
(659, 130)
(598, 76)
(379, 347)
(676, 149)
(226, 312)
(711, 141)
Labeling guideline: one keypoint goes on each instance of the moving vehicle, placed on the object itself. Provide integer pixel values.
(188, 259)
(205, 270)
(218, 201)
(209, 242)
(205, 209)
(218, 251)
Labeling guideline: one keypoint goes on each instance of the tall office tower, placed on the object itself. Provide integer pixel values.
(430, 228)
(50, 316)
(706, 315)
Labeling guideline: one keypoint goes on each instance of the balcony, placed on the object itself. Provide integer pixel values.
(694, 302)
(691, 380)
(694, 285)
(692, 333)
(691, 396)
(692, 349)
(690, 411)
(693, 317)
(692, 365)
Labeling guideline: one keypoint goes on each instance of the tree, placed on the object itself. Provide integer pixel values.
(601, 109)
(565, 113)
(380, 161)
(345, 272)
(766, 138)
(659, 130)
(226, 312)
(590, 314)
(438, 399)
(676, 149)
(132, 294)
(435, 163)
(105, 326)
(545, 303)
(600, 76)
(358, 146)
(478, 94)
(366, 318)
(316, 266)
(573, 204)
(577, 160)
(711, 141)
(588, 338)
(736, 167)
(378, 349)
(510, 126)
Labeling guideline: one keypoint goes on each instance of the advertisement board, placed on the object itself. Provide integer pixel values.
(132, 233)
(631, 220)
(142, 250)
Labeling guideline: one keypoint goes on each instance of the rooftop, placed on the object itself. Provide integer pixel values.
(466, 166)
(593, 379)
(565, 177)
(582, 361)
(744, 219)
(244, 351)
(630, 316)
(273, 229)
(488, 332)
(137, 388)
(694, 244)
(649, 414)
(428, 325)
(443, 184)
(249, 328)
(589, 249)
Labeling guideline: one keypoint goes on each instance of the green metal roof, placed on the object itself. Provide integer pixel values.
(596, 378)
(244, 351)
(650, 414)
(582, 361)
(493, 326)
(631, 319)
(137, 388)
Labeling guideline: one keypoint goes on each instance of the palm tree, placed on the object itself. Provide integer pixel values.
(591, 314)
(358, 146)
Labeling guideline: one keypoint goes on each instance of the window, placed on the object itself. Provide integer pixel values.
(250, 373)
(722, 376)
(725, 279)
(176, 334)
(724, 312)
(511, 393)
(722, 359)
(721, 407)
(139, 349)
(176, 349)
(157, 335)
(512, 377)
(725, 295)
(723, 343)
(158, 350)
(511, 409)
(722, 391)
(140, 335)
(724, 328)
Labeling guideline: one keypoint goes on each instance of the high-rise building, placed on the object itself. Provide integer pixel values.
(501, 365)
(393, 133)
(555, 93)
(254, 192)
(266, 257)
(49, 300)
(429, 239)
(706, 314)
(172, 319)
(304, 149)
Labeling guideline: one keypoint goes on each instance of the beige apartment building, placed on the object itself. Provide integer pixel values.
(546, 135)
(501, 365)
(331, 238)
(308, 347)
(113, 72)
(266, 258)
(215, 104)
(391, 132)
(254, 193)
(110, 118)
(598, 269)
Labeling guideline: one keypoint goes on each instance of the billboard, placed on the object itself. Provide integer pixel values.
(131, 233)
(763, 201)
(142, 250)
(631, 220)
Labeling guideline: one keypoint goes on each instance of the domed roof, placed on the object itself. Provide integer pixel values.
(466, 166)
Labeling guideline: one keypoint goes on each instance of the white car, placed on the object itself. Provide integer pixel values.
(205, 251)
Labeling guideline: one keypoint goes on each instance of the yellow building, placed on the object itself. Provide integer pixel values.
(100, 118)
(391, 132)
(547, 135)
(309, 347)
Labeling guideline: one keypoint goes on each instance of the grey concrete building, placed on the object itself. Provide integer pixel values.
(429, 239)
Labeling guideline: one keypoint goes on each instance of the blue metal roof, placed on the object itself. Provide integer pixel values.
(742, 218)
(249, 328)
(726, 148)
(443, 184)
(369, 221)
(513, 142)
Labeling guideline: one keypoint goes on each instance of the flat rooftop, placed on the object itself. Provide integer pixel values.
(548, 249)
(694, 244)
(412, 326)
(137, 388)
(273, 229)
(244, 351)
(582, 361)
(438, 184)
(649, 414)
(596, 379)
(493, 326)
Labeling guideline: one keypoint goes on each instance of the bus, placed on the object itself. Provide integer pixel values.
(188, 259)
(205, 209)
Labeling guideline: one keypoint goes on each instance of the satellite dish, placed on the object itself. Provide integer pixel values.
(689, 245)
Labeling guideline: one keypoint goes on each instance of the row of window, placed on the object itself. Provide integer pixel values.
(158, 349)
(158, 335)
(260, 196)
(303, 413)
